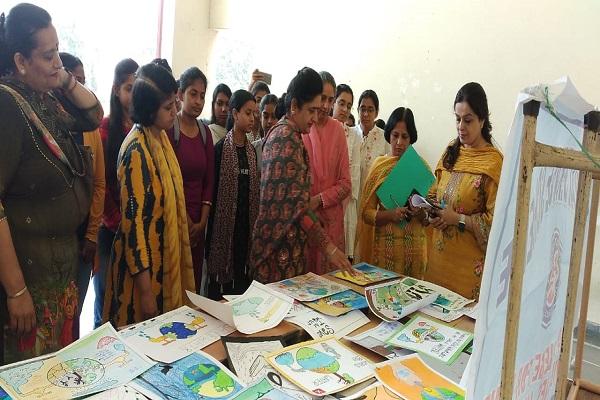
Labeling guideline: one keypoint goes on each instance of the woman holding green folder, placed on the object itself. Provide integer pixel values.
(391, 238)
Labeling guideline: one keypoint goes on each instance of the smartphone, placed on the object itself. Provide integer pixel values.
(267, 77)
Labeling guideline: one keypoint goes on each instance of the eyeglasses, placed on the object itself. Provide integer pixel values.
(367, 110)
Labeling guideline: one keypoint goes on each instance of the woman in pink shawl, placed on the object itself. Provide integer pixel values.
(330, 172)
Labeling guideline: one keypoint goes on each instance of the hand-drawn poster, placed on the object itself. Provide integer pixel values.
(353, 392)
(247, 359)
(411, 379)
(374, 340)
(392, 301)
(319, 325)
(440, 313)
(339, 303)
(197, 376)
(432, 338)
(321, 366)
(377, 392)
(308, 287)
(446, 299)
(366, 274)
(175, 334)
(120, 393)
(258, 309)
(97, 362)
(263, 390)
(247, 355)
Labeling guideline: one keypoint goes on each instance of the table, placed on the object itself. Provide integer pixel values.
(292, 334)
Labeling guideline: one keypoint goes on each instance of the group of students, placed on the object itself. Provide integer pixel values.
(268, 189)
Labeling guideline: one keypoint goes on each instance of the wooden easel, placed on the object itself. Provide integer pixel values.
(535, 154)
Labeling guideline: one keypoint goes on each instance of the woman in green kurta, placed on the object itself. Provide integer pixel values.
(45, 186)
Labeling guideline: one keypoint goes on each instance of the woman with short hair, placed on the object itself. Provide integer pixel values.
(152, 264)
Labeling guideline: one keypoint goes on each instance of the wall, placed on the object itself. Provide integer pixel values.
(415, 53)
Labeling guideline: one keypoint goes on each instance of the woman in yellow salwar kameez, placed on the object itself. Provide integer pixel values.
(392, 239)
(467, 179)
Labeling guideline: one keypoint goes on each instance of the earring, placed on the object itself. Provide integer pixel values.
(22, 71)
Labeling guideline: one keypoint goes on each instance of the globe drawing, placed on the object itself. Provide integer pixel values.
(208, 381)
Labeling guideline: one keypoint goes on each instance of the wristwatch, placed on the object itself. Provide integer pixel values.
(462, 223)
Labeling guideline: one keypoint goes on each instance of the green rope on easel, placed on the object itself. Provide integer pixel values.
(550, 108)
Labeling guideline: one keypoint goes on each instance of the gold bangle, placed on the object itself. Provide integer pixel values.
(5, 218)
(19, 293)
(333, 252)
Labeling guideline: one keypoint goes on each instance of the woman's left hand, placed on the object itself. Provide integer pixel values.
(445, 218)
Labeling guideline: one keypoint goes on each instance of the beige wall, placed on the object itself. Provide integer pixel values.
(414, 53)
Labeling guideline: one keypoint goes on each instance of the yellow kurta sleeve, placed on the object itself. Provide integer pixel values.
(482, 222)
(136, 211)
(370, 211)
(94, 141)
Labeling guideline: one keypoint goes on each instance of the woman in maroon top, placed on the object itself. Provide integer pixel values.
(113, 130)
(193, 145)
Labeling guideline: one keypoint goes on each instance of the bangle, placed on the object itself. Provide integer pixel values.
(19, 293)
(208, 203)
(5, 218)
(333, 251)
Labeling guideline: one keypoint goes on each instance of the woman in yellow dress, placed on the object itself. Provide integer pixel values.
(467, 179)
(152, 262)
(392, 239)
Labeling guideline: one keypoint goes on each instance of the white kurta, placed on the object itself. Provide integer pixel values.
(218, 132)
(354, 140)
(373, 145)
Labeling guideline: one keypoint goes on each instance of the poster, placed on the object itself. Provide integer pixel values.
(197, 376)
(446, 299)
(246, 356)
(440, 313)
(339, 303)
(258, 309)
(99, 361)
(374, 340)
(120, 393)
(550, 236)
(308, 287)
(320, 325)
(375, 392)
(431, 338)
(392, 301)
(366, 274)
(321, 366)
(262, 390)
(176, 334)
(411, 379)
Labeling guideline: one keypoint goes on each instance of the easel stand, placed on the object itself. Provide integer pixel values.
(535, 154)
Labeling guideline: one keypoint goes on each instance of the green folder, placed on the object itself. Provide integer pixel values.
(410, 175)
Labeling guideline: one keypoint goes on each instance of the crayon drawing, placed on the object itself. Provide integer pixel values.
(339, 303)
(411, 379)
(432, 338)
(392, 301)
(321, 367)
(247, 356)
(366, 274)
(263, 390)
(197, 376)
(308, 287)
(97, 362)
(175, 334)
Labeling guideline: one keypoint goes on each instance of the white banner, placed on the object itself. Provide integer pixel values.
(549, 238)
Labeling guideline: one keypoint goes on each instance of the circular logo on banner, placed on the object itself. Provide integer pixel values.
(553, 279)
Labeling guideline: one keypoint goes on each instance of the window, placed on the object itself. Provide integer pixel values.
(103, 33)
